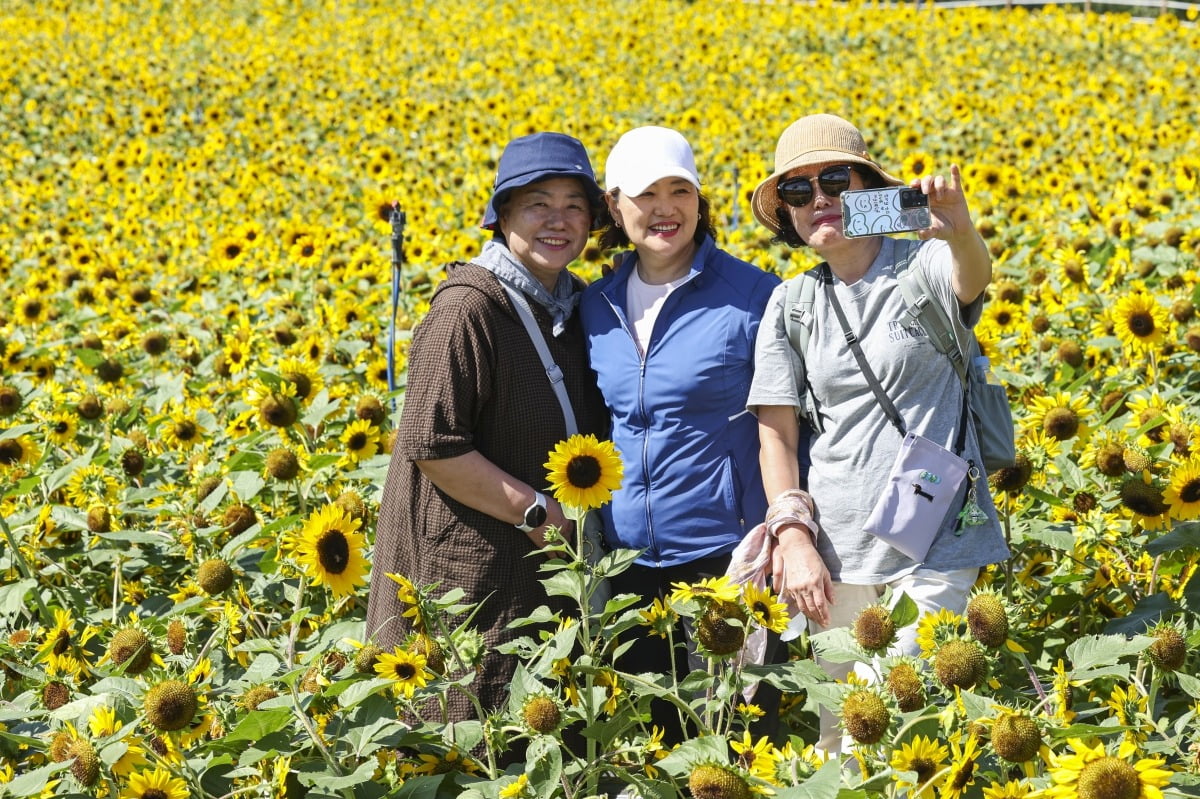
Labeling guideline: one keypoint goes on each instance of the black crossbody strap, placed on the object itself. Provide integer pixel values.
(885, 402)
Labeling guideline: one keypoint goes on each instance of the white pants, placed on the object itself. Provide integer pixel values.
(930, 590)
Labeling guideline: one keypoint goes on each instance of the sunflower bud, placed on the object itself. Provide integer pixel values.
(987, 620)
(960, 664)
(1016, 737)
(710, 781)
(865, 716)
(541, 714)
(170, 705)
(214, 576)
(874, 629)
(716, 634)
(131, 649)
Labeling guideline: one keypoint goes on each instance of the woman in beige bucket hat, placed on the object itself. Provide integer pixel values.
(831, 575)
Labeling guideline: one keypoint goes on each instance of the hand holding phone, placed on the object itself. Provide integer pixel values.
(875, 212)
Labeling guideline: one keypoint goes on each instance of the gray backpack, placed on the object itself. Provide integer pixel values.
(990, 409)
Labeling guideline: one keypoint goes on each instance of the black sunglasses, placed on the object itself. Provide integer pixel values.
(798, 192)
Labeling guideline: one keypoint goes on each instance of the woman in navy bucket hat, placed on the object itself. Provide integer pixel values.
(466, 499)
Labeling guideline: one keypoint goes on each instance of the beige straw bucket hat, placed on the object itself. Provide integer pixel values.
(814, 139)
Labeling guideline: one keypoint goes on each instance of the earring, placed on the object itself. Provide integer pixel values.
(617, 222)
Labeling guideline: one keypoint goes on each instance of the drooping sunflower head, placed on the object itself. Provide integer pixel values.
(874, 629)
(960, 664)
(713, 781)
(541, 714)
(170, 705)
(721, 629)
(1169, 649)
(1016, 736)
(584, 472)
(987, 619)
(131, 649)
(865, 716)
(905, 684)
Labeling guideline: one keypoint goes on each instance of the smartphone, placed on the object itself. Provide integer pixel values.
(874, 212)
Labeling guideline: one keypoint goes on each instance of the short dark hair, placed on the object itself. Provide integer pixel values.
(787, 231)
(613, 237)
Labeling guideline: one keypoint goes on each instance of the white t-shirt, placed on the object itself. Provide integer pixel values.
(643, 301)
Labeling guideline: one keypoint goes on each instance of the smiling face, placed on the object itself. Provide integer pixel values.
(546, 225)
(819, 222)
(661, 222)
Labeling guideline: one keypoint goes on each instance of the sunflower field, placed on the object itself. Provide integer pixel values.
(195, 414)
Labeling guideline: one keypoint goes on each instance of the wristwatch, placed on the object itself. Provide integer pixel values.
(535, 514)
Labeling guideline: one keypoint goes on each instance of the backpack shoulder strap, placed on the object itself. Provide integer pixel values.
(925, 311)
(798, 319)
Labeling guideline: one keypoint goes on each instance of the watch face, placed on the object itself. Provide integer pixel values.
(535, 516)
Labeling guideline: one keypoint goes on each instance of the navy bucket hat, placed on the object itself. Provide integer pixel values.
(535, 157)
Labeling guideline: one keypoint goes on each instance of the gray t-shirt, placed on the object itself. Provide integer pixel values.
(852, 458)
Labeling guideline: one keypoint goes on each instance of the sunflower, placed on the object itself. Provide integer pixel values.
(409, 597)
(1183, 492)
(1130, 710)
(304, 377)
(924, 757)
(157, 784)
(406, 669)
(362, 441)
(1013, 789)
(517, 788)
(181, 431)
(962, 768)
(934, 629)
(709, 589)
(18, 451)
(766, 608)
(1091, 773)
(330, 549)
(660, 617)
(1060, 416)
(1140, 322)
(91, 485)
(62, 427)
(584, 471)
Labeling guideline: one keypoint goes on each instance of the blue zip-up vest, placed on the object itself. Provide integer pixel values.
(692, 484)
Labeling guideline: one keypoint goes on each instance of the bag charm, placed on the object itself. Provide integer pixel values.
(971, 515)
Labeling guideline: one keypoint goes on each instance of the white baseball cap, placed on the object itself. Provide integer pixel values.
(644, 155)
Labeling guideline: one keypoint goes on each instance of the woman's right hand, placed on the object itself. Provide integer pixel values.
(797, 566)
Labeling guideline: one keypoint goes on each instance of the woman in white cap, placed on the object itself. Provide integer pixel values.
(671, 338)
(832, 575)
(466, 500)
